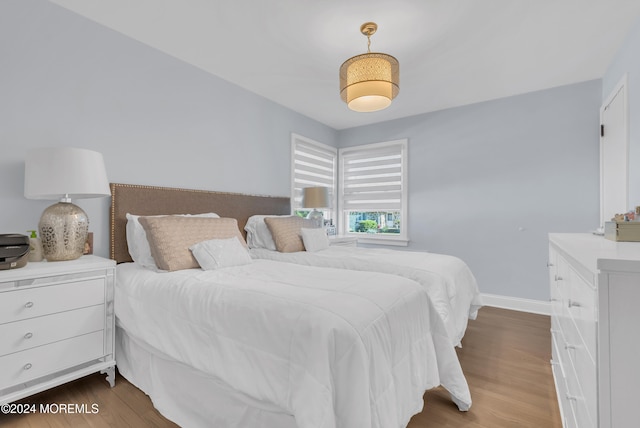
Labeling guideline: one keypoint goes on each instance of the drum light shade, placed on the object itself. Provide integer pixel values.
(369, 82)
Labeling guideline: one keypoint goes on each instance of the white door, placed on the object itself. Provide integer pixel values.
(614, 153)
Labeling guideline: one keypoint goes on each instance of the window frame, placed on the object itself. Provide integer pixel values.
(401, 239)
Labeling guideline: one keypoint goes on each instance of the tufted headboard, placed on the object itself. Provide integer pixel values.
(151, 200)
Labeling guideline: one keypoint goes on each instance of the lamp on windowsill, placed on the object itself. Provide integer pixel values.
(64, 173)
(315, 197)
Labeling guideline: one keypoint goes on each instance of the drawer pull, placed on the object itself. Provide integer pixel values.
(558, 278)
(28, 305)
(574, 304)
(569, 346)
(571, 397)
(28, 335)
(549, 264)
(554, 363)
(27, 366)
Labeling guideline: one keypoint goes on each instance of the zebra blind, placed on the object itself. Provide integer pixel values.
(313, 164)
(373, 177)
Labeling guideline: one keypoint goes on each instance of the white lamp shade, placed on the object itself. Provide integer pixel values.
(315, 197)
(60, 172)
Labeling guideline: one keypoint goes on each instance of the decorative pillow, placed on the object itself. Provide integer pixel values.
(286, 232)
(219, 253)
(137, 239)
(258, 234)
(170, 237)
(314, 239)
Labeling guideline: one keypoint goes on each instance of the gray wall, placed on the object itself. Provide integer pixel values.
(489, 181)
(627, 61)
(65, 80)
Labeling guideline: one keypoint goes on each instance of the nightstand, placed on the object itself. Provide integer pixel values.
(56, 323)
(343, 241)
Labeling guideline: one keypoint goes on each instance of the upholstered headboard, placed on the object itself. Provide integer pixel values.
(151, 200)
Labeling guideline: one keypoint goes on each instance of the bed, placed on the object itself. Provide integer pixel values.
(267, 343)
(448, 280)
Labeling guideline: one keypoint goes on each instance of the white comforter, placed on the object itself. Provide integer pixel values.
(448, 280)
(334, 348)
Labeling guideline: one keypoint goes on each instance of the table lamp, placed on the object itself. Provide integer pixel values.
(64, 173)
(315, 197)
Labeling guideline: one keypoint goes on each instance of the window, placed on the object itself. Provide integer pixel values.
(312, 164)
(373, 192)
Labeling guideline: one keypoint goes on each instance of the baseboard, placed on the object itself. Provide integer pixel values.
(517, 304)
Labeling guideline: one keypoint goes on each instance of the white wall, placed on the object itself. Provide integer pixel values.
(489, 181)
(627, 60)
(65, 80)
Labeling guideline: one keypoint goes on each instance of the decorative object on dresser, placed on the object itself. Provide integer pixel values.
(35, 247)
(622, 231)
(64, 173)
(315, 197)
(14, 251)
(595, 290)
(57, 324)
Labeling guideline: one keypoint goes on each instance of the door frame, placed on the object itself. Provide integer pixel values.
(621, 87)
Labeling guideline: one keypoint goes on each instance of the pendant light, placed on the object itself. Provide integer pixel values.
(369, 82)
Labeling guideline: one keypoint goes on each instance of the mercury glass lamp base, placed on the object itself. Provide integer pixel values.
(317, 218)
(63, 231)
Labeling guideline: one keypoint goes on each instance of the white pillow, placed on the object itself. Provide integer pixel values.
(137, 239)
(258, 234)
(219, 253)
(314, 239)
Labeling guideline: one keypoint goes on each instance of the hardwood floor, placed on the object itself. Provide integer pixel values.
(505, 357)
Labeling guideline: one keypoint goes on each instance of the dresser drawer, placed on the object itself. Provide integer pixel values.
(556, 356)
(566, 408)
(576, 398)
(33, 363)
(20, 335)
(35, 302)
(582, 309)
(570, 353)
(581, 368)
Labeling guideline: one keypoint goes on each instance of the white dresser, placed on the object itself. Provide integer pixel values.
(595, 320)
(56, 324)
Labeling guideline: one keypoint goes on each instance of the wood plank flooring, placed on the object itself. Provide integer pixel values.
(505, 357)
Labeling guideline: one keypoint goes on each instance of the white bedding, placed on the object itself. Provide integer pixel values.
(333, 348)
(448, 280)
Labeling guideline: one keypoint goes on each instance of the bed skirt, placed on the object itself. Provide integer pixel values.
(189, 397)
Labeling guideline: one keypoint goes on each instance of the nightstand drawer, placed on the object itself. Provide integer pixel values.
(20, 335)
(27, 365)
(35, 302)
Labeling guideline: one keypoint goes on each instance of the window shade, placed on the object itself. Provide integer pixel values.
(372, 178)
(313, 164)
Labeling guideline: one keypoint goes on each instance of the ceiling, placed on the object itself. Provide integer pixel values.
(451, 52)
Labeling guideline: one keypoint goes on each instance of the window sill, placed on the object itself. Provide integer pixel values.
(380, 240)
